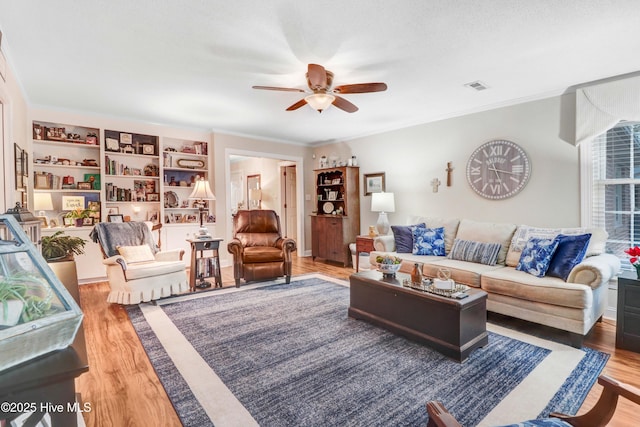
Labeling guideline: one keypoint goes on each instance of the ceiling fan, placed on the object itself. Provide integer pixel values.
(322, 94)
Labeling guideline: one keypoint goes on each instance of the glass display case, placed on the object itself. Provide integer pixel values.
(37, 313)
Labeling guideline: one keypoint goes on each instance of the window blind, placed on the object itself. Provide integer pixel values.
(616, 186)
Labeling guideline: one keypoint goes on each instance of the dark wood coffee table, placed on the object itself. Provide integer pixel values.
(454, 327)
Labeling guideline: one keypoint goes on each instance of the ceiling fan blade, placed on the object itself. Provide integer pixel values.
(297, 105)
(317, 77)
(345, 105)
(284, 89)
(361, 88)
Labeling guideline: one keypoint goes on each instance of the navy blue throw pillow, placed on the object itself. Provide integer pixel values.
(403, 236)
(570, 252)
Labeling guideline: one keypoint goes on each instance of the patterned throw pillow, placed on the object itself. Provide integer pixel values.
(403, 236)
(468, 250)
(536, 256)
(570, 252)
(428, 241)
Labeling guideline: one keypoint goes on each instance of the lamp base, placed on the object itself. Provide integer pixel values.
(383, 224)
(203, 233)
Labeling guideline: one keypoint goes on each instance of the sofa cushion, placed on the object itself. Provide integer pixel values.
(536, 256)
(467, 250)
(140, 270)
(428, 241)
(450, 226)
(464, 272)
(138, 253)
(570, 252)
(403, 236)
(487, 232)
(547, 290)
(596, 246)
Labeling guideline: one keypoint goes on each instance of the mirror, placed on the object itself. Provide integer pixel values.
(254, 192)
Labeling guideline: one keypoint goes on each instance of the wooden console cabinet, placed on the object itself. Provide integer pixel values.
(336, 222)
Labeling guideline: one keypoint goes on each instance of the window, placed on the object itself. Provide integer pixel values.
(615, 186)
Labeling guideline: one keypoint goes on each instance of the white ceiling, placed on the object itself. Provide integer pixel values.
(192, 63)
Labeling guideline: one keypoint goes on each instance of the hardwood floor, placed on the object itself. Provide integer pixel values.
(123, 389)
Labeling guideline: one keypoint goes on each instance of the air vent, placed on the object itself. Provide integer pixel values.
(477, 85)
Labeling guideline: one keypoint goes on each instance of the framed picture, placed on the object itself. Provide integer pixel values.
(148, 149)
(153, 197)
(41, 181)
(19, 167)
(116, 218)
(43, 220)
(85, 186)
(153, 216)
(68, 221)
(25, 165)
(95, 181)
(191, 218)
(53, 223)
(87, 221)
(70, 203)
(112, 144)
(373, 183)
(113, 211)
(125, 138)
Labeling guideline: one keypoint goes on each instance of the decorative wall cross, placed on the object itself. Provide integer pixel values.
(449, 169)
(435, 183)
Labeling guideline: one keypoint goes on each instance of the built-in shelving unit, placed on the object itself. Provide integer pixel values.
(66, 166)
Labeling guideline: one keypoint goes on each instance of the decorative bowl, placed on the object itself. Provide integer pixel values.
(389, 269)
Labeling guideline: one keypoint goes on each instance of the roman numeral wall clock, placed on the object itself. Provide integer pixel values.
(498, 169)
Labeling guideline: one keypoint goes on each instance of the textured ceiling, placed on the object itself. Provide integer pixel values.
(192, 63)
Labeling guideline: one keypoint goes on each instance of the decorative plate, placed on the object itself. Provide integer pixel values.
(190, 163)
(171, 199)
(327, 207)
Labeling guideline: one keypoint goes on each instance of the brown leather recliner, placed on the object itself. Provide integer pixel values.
(259, 250)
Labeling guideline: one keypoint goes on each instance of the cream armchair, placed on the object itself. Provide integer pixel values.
(136, 268)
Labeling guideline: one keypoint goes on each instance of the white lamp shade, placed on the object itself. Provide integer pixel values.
(202, 191)
(383, 202)
(42, 202)
(320, 101)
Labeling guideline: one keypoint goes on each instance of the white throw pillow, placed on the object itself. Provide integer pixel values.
(133, 254)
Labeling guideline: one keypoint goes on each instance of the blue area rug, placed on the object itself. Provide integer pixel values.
(292, 357)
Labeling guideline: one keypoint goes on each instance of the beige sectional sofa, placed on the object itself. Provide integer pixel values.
(573, 305)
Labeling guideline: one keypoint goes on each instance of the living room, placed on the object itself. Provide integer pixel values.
(411, 155)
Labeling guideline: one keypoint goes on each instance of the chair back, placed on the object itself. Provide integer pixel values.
(257, 227)
(110, 235)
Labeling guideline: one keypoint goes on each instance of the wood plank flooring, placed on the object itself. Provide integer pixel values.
(123, 389)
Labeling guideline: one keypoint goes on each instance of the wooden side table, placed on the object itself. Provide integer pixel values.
(204, 266)
(628, 313)
(363, 244)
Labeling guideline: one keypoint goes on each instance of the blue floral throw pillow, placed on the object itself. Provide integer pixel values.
(428, 241)
(536, 256)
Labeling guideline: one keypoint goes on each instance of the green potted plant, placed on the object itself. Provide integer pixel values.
(78, 215)
(23, 298)
(61, 247)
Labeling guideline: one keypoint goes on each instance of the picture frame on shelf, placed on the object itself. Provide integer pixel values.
(43, 221)
(116, 218)
(112, 144)
(70, 203)
(19, 167)
(191, 218)
(113, 210)
(153, 197)
(68, 222)
(41, 181)
(85, 186)
(87, 221)
(126, 138)
(374, 183)
(153, 216)
(148, 149)
(53, 223)
(96, 180)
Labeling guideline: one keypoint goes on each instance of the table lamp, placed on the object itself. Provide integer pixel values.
(383, 203)
(200, 193)
(42, 202)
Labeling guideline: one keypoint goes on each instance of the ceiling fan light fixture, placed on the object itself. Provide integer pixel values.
(320, 101)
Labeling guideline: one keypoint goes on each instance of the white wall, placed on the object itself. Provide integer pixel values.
(412, 157)
(13, 129)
